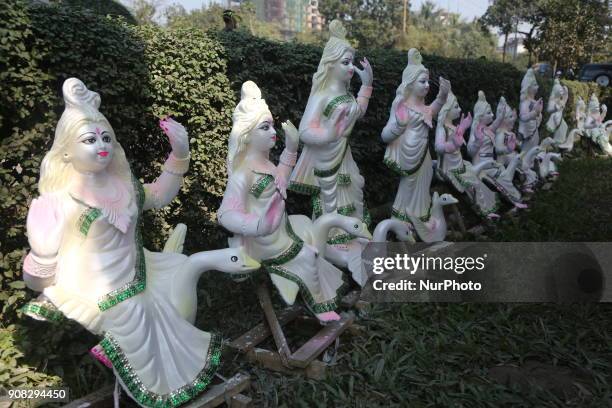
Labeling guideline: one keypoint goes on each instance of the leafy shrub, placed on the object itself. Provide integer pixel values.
(141, 73)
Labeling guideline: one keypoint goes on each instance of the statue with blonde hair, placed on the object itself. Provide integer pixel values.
(326, 170)
(88, 259)
(460, 173)
(594, 126)
(407, 136)
(481, 147)
(530, 112)
(290, 248)
(556, 125)
(505, 138)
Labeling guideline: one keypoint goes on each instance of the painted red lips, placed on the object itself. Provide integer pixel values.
(103, 154)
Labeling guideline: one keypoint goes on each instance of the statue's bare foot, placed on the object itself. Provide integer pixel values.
(493, 216)
(520, 205)
(328, 317)
(98, 352)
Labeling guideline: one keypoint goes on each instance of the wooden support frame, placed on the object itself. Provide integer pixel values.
(227, 392)
(304, 360)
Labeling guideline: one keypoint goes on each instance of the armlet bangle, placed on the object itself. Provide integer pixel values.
(35, 268)
(176, 166)
(365, 92)
(288, 158)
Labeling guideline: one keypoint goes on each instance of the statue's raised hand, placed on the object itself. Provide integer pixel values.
(45, 224)
(445, 87)
(177, 135)
(464, 124)
(501, 109)
(401, 114)
(292, 136)
(365, 74)
(539, 106)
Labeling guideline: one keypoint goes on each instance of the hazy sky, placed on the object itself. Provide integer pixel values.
(467, 8)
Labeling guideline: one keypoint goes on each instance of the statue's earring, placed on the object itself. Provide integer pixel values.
(66, 158)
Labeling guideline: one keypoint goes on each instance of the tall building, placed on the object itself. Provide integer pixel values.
(294, 16)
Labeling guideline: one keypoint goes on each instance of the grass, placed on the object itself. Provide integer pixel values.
(441, 355)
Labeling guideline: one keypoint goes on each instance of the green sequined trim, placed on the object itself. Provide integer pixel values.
(344, 179)
(404, 217)
(346, 209)
(341, 239)
(289, 253)
(258, 187)
(395, 167)
(457, 174)
(316, 206)
(87, 218)
(337, 101)
(327, 306)
(303, 188)
(43, 311)
(333, 170)
(138, 284)
(174, 398)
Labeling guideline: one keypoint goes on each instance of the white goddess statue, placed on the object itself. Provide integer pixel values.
(595, 128)
(505, 138)
(326, 170)
(253, 208)
(530, 112)
(407, 136)
(87, 257)
(460, 173)
(481, 147)
(556, 125)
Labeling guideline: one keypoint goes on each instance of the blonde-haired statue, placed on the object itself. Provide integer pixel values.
(481, 147)
(595, 128)
(574, 134)
(460, 173)
(88, 260)
(291, 249)
(530, 112)
(556, 125)
(505, 138)
(326, 170)
(407, 136)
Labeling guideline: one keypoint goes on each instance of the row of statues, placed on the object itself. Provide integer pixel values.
(87, 256)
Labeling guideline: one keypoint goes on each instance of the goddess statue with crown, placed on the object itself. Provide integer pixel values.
(530, 112)
(291, 249)
(87, 258)
(594, 126)
(407, 136)
(326, 169)
(556, 125)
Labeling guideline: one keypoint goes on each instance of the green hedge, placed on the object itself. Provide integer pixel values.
(141, 74)
(284, 73)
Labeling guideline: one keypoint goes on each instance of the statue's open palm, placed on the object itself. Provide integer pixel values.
(177, 136)
(44, 225)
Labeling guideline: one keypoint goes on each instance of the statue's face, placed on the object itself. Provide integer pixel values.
(533, 89)
(561, 93)
(92, 149)
(343, 69)
(263, 136)
(420, 87)
(455, 111)
(487, 118)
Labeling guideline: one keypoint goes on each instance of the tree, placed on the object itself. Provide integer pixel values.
(145, 10)
(498, 15)
(573, 31)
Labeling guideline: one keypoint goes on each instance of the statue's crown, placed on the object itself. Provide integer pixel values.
(414, 57)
